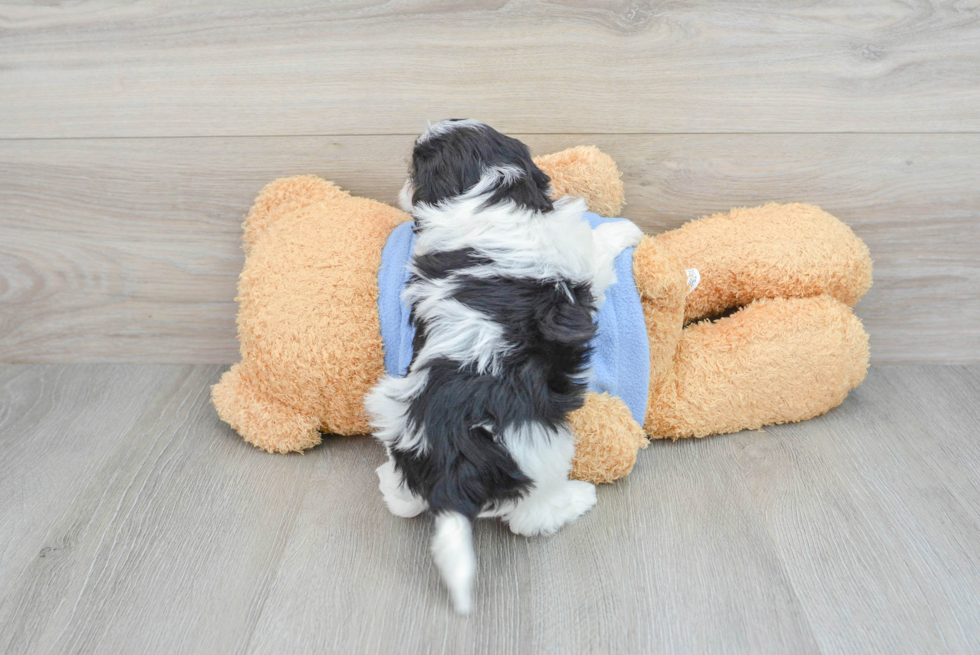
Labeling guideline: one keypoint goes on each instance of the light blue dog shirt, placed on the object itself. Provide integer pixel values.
(621, 350)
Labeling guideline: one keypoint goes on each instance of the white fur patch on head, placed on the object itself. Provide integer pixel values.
(448, 125)
(610, 240)
(521, 242)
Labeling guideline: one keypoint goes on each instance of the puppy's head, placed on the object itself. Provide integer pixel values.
(459, 156)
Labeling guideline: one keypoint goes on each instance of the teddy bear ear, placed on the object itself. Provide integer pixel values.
(283, 196)
(585, 172)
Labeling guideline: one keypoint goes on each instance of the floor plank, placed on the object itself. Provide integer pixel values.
(946, 399)
(877, 527)
(128, 249)
(680, 538)
(60, 427)
(853, 532)
(159, 68)
(167, 547)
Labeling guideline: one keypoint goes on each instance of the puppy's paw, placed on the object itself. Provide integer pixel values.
(400, 501)
(536, 516)
(580, 497)
(618, 235)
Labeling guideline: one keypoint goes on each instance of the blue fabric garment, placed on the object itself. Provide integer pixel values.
(621, 351)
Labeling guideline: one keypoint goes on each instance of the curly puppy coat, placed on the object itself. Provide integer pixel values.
(503, 289)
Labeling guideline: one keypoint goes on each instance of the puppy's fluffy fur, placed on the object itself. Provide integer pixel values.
(503, 288)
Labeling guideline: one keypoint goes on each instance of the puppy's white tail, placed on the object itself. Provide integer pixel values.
(452, 549)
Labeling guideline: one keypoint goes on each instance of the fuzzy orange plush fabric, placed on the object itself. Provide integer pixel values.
(308, 315)
(794, 349)
(773, 251)
(607, 439)
(585, 172)
(311, 345)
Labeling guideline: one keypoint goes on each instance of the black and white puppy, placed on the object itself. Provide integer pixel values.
(503, 288)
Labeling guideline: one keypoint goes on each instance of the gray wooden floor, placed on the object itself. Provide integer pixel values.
(133, 520)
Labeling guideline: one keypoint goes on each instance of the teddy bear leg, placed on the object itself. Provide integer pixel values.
(606, 439)
(774, 361)
(773, 251)
(262, 420)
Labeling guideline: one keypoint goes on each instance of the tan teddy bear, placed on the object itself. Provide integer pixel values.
(767, 335)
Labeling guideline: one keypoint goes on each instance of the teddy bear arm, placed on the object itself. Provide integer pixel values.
(607, 439)
(662, 285)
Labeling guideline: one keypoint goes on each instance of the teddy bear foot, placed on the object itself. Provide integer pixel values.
(262, 421)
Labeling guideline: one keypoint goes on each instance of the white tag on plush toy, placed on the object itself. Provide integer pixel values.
(693, 279)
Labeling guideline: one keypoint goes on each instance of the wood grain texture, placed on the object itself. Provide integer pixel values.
(60, 428)
(877, 524)
(951, 410)
(168, 547)
(229, 68)
(155, 529)
(128, 250)
(641, 574)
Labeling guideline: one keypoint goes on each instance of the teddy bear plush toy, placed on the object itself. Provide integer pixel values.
(732, 322)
